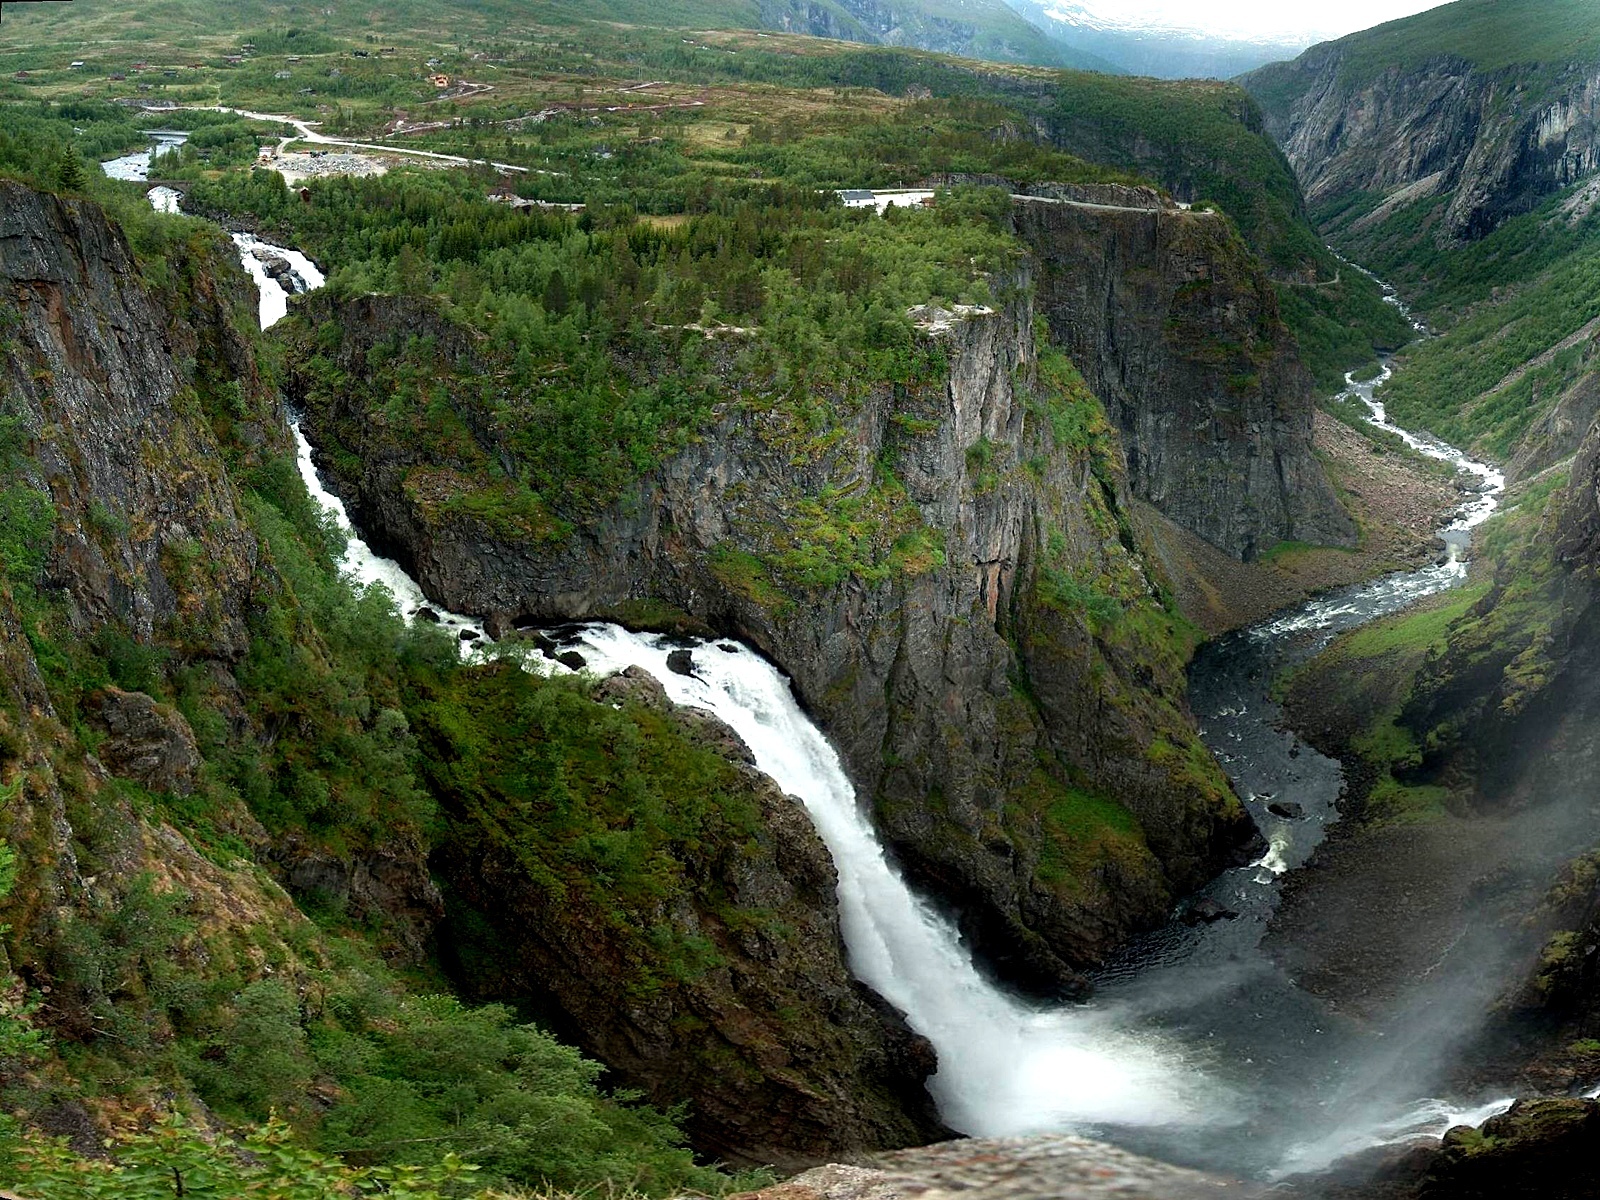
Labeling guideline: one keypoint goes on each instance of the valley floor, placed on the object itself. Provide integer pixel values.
(1397, 503)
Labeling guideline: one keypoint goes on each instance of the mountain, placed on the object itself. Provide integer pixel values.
(970, 28)
(1137, 47)
(1481, 108)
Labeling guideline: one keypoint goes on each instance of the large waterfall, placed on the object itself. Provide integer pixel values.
(1004, 1067)
(1181, 1047)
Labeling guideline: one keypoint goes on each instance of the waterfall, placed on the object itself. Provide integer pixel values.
(1005, 1067)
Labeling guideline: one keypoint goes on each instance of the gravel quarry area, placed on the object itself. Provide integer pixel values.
(297, 166)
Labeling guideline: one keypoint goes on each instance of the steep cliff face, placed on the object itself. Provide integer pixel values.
(1177, 330)
(951, 578)
(151, 532)
(1443, 105)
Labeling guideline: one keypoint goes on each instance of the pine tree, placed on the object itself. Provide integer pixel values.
(70, 172)
(556, 298)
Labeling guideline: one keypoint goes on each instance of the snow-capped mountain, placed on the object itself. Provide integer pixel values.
(1165, 37)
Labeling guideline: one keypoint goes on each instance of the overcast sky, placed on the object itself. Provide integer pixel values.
(1268, 19)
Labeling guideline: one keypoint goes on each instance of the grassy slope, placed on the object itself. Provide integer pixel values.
(1490, 34)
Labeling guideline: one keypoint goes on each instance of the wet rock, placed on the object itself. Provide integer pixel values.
(572, 659)
(1538, 1150)
(726, 648)
(1287, 809)
(1207, 911)
(681, 662)
(427, 614)
(633, 684)
(468, 635)
(149, 743)
(1051, 1167)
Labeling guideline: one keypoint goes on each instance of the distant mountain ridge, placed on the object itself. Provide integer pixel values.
(1145, 47)
(987, 29)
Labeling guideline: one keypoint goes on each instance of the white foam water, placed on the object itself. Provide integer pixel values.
(1425, 1120)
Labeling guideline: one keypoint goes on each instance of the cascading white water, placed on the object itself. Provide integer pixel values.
(1004, 1067)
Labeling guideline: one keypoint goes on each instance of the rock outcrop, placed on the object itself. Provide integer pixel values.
(1493, 141)
(1036, 1168)
(147, 742)
(787, 1057)
(994, 712)
(1176, 329)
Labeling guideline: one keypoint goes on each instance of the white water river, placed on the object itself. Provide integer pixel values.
(1005, 1066)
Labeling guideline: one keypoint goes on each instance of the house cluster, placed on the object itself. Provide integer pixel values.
(884, 199)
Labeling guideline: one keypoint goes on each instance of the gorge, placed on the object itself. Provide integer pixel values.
(1151, 1062)
(609, 658)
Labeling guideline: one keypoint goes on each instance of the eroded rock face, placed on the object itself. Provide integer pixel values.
(964, 703)
(786, 1057)
(149, 743)
(149, 533)
(1495, 142)
(1176, 328)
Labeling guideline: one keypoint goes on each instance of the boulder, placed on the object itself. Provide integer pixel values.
(149, 743)
(1207, 911)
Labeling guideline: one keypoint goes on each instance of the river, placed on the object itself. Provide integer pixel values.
(1197, 1048)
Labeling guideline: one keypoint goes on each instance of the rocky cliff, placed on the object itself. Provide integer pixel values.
(951, 576)
(1455, 104)
(1177, 331)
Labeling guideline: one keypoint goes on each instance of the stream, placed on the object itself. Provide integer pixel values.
(1197, 1048)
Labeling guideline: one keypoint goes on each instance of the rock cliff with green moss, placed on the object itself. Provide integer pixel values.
(944, 560)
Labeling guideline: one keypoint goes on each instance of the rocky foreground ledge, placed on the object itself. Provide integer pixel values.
(1033, 1168)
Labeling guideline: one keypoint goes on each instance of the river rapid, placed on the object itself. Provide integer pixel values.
(1197, 1048)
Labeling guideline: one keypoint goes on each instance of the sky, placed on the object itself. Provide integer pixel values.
(1272, 20)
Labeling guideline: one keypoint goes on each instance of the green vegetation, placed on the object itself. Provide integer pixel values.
(607, 340)
(1490, 34)
(1496, 371)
